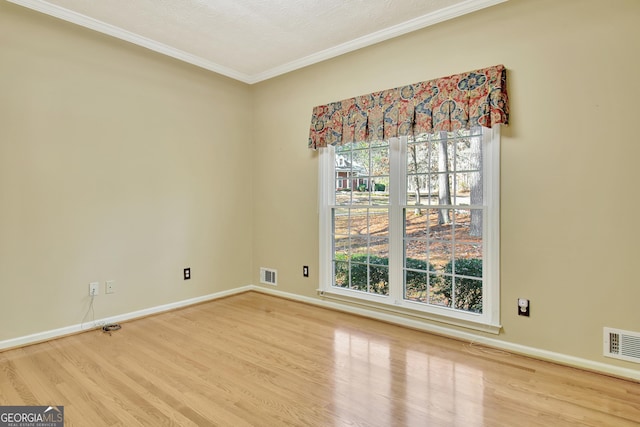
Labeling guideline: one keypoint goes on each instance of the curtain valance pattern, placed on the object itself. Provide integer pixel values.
(476, 98)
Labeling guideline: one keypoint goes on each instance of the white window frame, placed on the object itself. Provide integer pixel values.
(489, 319)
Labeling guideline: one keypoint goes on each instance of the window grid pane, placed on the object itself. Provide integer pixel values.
(391, 233)
(443, 221)
(361, 218)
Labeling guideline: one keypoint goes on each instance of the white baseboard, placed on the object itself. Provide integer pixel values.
(550, 356)
(68, 330)
(576, 362)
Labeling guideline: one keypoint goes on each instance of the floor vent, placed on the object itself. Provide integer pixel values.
(621, 344)
(268, 276)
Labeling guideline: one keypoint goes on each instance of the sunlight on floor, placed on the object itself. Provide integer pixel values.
(432, 388)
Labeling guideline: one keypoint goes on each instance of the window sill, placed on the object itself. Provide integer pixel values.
(411, 315)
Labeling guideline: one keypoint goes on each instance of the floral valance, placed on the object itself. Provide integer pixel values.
(476, 98)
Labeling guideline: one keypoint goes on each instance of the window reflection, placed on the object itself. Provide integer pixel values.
(400, 386)
(445, 389)
(362, 378)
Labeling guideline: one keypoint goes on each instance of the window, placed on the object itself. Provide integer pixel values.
(413, 223)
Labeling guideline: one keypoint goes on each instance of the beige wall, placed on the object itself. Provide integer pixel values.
(116, 163)
(570, 203)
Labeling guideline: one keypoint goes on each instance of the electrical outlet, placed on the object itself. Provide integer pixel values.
(523, 307)
(94, 289)
(305, 271)
(110, 287)
(187, 273)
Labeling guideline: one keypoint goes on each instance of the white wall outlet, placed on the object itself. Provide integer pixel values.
(523, 307)
(110, 287)
(94, 289)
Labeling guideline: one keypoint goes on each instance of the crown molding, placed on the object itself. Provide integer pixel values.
(406, 27)
(420, 22)
(117, 32)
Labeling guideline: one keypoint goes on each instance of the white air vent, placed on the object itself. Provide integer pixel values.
(268, 276)
(621, 344)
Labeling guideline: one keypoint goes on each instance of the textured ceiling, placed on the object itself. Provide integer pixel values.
(253, 40)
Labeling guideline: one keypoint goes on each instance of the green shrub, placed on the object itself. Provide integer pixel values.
(416, 281)
(362, 187)
(377, 269)
(468, 292)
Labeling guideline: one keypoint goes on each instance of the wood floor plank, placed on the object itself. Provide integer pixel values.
(258, 360)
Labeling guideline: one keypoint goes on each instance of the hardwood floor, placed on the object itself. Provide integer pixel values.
(257, 360)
